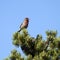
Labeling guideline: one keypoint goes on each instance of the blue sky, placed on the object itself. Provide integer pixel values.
(44, 15)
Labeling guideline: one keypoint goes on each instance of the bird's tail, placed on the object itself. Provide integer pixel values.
(19, 30)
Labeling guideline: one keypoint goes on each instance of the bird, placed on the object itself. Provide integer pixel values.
(24, 24)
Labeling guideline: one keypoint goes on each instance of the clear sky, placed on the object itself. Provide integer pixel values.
(44, 15)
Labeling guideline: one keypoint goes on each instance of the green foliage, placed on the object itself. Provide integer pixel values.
(14, 56)
(36, 48)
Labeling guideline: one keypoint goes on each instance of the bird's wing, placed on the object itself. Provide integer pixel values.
(20, 28)
(20, 25)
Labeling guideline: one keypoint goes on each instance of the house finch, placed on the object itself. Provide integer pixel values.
(24, 24)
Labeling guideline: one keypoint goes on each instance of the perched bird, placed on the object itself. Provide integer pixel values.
(24, 24)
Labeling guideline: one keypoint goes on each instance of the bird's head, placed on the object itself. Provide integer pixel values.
(26, 20)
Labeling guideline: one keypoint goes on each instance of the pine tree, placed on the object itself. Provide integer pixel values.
(36, 48)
